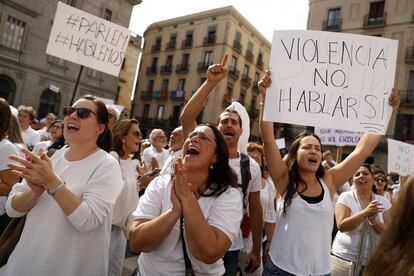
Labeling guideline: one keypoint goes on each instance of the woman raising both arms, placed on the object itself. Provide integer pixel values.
(301, 243)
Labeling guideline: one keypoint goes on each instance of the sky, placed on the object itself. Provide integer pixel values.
(265, 15)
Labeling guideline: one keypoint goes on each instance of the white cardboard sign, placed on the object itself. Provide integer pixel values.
(281, 144)
(331, 80)
(86, 39)
(400, 157)
(338, 137)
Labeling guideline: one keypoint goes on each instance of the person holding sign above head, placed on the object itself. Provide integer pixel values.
(233, 124)
(301, 243)
(68, 200)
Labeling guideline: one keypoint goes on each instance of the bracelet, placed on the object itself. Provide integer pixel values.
(53, 191)
(262, 103)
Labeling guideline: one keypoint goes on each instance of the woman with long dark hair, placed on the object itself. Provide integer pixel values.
(68, 200)
(302, 241)
(201, 192)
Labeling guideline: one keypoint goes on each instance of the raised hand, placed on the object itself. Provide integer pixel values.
(217, 72)
(182, 187)
(177, 209)
(373, 208)
(394, 99)
(265, 83)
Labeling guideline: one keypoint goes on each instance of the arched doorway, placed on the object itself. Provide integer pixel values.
(7, 88)
(49, 102)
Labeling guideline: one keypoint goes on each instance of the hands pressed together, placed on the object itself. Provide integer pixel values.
(181, 189)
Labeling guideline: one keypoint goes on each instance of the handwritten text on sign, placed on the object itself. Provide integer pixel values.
(338, 137)
(331, 80)
(400, 157)
(88, 40)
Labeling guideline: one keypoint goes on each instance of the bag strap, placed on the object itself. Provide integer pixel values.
(245, 175)
(188, 266)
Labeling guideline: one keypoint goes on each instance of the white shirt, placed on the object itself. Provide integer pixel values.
(346, 244)
(30, 136)
(168, 167)
(223, 212)
(150, 152)
(6, 149)
(128, 199)
(78, 244)
(253, 186)
(301, 244)
(42, 145)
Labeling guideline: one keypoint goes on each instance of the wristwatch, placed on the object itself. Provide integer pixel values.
(53, 191)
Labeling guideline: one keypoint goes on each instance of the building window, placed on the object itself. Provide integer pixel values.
(72, 2)
(7, 89)
(150, 86)
(211, 36)
(145, 112)
(185, 59)
(107, 14)
(176, 114)
(246, 71)
(233, 63)
(242, 97)
(160, 112)
(169, 60)
(334, 18)
(49, 102)
(164, 85)
(376, 14)
(154, 62)
(260, 59)
(208, 58)
(13, 33)
(181, 85)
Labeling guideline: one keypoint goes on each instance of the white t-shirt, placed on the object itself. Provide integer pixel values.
(346, 244)
(42, 145)
(128, 199)
(168, 167)
(223, 212)
(30, 136)
(78, 244)
(150, 152)
(253, 186)
(6, 149)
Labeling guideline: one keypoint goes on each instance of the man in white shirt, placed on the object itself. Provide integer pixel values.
(30, 136)
(48, 120)
(175, 144)
(230, 125)
(155, 156)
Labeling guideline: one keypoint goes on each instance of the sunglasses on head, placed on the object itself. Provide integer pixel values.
(81, 112)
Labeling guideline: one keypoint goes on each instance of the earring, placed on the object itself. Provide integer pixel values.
(211, 167)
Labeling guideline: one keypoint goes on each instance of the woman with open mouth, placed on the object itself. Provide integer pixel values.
(188, 221)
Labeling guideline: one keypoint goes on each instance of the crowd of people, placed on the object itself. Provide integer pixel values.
(88, 188)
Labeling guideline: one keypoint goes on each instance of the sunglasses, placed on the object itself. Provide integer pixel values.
(81, 112)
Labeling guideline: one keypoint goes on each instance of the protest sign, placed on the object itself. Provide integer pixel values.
(86, 39)
(331, 79)
(338, 137)
(400, 157)
(281, 144)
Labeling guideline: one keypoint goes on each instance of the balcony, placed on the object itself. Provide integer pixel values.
(209, 40)
(256, 87)
(152, 70)
(182, 68)
(203, 66)
(259, 64)
(161, 95)
(332, 25)
(9, 53)
(234, 73)
(156, 48)
(186, 44)
(407, 98)
(237, 46)
(246, 81)
(409, 55)
(146, 95)
(146, 123)
(374, 21)
(170, 46)
(177, 95)
(166, 69)
(249, 55)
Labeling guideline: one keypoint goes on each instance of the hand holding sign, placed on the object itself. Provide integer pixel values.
(265, 83)
(394, 99)
(217, 72)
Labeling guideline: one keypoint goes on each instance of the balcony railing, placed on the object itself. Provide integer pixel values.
(170, 46)
(151, 123)
(156, 48)
(177, 95)
(237, 46)
(332, 25)
(187, 43)
(374, 21)
(146, 95)
(407, 97)
(409, 55)
(166, 69)
(203, 66)
(260, 64)
(10, 53)
(249, 55)
(208, 40)
(246, 80)
(182, 68)
(152, 70)
(161, 95)
(234, 73)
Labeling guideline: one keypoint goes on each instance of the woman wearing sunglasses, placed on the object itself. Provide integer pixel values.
(68, 200)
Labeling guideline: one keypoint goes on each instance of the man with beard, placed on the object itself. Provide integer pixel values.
(230, 125)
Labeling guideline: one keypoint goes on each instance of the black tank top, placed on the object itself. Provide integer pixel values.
(313, 199)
